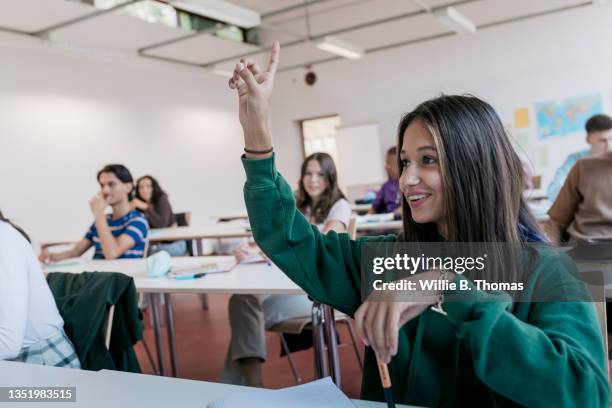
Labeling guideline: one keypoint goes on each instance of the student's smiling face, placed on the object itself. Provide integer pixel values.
(314, 180)
(421, 178)
(113, 190)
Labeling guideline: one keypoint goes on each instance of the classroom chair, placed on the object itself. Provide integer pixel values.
(297, 325)
(95, 305)
(183, 219)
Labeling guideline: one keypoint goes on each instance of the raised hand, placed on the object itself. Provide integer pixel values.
(254, 88)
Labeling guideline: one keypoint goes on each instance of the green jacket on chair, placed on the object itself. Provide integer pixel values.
(83, 300)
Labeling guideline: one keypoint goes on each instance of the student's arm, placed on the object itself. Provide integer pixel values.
(112, 247)
(77, 250)
(559, 178)
(325, 266)
(555, 359)
(338, 218)
(161, 213)
(377, 203)
(13, 295)
(565, 206)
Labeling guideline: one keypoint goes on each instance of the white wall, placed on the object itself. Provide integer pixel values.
(511, 66)
(64, 114)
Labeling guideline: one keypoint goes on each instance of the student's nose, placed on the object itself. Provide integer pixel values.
(410, 176)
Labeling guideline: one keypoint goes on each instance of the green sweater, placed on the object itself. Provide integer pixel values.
(481, 354)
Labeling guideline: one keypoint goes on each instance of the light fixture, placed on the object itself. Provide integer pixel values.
(340, 47)
(453, 19)
(221, 11)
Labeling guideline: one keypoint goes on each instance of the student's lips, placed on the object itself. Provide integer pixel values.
(416, 200)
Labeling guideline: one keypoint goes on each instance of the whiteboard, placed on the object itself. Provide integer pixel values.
(359, 155)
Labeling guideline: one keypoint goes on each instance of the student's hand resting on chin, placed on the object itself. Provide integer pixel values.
(98, 205)
(254, 88)
(380, 317)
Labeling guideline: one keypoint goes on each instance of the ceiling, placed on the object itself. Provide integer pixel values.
(373, 25)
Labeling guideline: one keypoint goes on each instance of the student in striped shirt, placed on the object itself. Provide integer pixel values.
(122, 234)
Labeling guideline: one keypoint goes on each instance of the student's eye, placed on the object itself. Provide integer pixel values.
(429, 160)
(404, 163)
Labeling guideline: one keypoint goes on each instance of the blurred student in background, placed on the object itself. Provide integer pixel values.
(121, 234)
(599, 132)
(153, 202)
(388, 197)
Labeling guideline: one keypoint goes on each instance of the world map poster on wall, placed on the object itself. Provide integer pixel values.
(561, 118)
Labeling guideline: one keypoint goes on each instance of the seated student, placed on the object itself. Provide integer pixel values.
(31, 328)
(599, 132)
(319, 198)
(461, 181)
(583, 209)
(122, 234)
(388, 197)
(153, 202)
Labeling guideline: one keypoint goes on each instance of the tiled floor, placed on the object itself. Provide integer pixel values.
(202, 338)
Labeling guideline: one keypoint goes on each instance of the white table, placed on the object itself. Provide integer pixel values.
(106, 388)
(197, 233)
(381, 226)
(258, 278)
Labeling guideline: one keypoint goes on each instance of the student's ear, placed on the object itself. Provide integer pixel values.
(130, 190)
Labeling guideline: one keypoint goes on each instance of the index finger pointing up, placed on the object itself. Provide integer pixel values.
(273, 63)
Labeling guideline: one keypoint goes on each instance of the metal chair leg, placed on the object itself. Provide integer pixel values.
(296, 376)
(352, 334)
(150, 356)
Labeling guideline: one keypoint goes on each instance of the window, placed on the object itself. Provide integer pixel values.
(319, 135)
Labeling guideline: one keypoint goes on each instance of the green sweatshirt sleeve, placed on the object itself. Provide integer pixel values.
(326, 266)
(553, 359)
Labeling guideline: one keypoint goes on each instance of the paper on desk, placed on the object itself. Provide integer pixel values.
(315, 394)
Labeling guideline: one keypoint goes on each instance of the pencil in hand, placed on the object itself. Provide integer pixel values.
(383, 370)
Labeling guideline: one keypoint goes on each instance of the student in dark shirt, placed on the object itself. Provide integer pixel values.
(388, 197)
(153, 202)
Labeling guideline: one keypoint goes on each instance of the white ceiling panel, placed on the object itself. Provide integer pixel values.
(301, 54)
(202, 49)
(489, 11)
(343, 14)
(35, 15)
(265, 6)
(403, 30)
(116, 32)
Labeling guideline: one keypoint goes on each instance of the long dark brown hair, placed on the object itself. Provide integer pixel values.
(482, 177)
(3, 219)
(330, 195)
(157, 190)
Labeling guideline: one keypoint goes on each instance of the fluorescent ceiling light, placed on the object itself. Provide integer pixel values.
(220, 10)
(339, 47)
(450, 17)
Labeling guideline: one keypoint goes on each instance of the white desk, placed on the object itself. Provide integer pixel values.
(392, 226)
(199, 232)
(106, 388)
(17, 374)
(259, 278)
